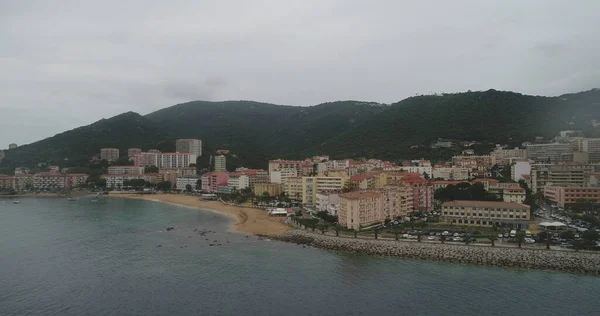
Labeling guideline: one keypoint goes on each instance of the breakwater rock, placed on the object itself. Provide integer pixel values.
(567, 261)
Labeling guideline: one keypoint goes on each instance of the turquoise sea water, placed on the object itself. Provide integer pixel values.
(83, 258)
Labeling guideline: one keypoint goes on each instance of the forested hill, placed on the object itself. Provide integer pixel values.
(256, 132)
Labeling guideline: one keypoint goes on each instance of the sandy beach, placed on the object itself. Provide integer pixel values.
(247, 220)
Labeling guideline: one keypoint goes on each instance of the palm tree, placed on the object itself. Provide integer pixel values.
(419, 236)
(547, 241)
(443, 238)
(493, 239)
(520, 237)
(355, 233)
(467, 239)
(375, 232)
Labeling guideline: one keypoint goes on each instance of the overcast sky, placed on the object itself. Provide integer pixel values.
(68, 63)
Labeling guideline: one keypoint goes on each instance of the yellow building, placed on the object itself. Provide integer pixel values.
(311, 185)
(293, 188)
(486, 213)
(273, 189)
(361, 209)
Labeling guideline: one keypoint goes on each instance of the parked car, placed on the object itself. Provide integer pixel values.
(500, 235)
(430, 238)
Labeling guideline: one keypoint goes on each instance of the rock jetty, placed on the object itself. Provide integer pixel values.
(566, 261)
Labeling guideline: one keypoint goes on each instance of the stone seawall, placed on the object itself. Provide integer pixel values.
(574, 262)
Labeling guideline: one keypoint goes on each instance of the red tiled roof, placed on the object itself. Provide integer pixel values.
(486, 179)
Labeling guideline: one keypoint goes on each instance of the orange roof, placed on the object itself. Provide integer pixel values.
(447, 182)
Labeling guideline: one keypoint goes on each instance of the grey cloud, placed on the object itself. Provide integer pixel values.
(67, 63)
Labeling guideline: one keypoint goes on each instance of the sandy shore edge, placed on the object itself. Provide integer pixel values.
(245, 220)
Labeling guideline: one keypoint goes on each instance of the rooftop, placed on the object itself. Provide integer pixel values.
(360, 195)
(485, 204)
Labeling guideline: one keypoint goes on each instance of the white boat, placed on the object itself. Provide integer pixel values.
(16, 202)
(71, 199)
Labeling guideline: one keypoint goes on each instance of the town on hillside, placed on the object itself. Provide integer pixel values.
(540, 186)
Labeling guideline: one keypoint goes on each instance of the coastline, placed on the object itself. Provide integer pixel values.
(246, 220)
(571, 262)
(27, 195)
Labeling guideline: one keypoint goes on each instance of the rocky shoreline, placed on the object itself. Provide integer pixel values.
(573, 262)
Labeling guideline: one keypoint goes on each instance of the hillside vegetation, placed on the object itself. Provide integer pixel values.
(256, 132)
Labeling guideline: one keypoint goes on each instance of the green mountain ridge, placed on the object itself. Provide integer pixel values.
(256, 132)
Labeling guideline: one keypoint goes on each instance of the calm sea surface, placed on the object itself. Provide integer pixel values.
(84, 258)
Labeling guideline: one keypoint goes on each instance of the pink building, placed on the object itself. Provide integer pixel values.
(212, 180)
(571, 195)
(422, 192)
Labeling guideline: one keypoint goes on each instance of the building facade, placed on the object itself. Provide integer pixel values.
(109, 154)
(125, 170)
(485, 213)
(183, 182)
(452, 173)
(328, 201)
(550, 153)
(131, 152)
(212, 180)
(360, 209)
(571, 195)
(272, 189)
(220, 164)
(238, 181)
(190, 146)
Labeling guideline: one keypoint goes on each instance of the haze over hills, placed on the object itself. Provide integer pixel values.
(256, 132)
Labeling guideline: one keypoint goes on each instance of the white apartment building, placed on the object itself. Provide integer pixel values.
(125, 170)
(520, 168)
(220, 164)
(190, 146)
(312, 185)
(183, 182)
(328, 202)
(592, 147)
(238, 181)
(420, 169)
(281, 176)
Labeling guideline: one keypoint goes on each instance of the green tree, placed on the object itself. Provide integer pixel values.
(591, 235)
(387, 221)
(375, 232)
(419, 236)
(188, 188)
(164, 186)
(520, 238)
(337, 229)
(323, 228)
(151, 169)
(567, 235)
(443, 238)
(396, 233)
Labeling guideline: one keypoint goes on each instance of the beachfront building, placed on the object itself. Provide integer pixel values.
(109, 154)
(272, 189)
(220, 163)
(7, 182)
(212, 180)
(312, 185)
(397, 201)
(281, 176)
(183, 171)
(328, 201)
(57, 181)
(486, 213)
(571, 195)
(293, 188)
(182, 182)
(361, 209)
(238, 181)
(190, 146)
(118, 181)
(125, 170)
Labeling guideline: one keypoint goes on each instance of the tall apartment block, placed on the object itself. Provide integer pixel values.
(191, 146)
(109, 154)
(220, 164)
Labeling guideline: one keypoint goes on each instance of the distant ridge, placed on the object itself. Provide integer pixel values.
(256, 132)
